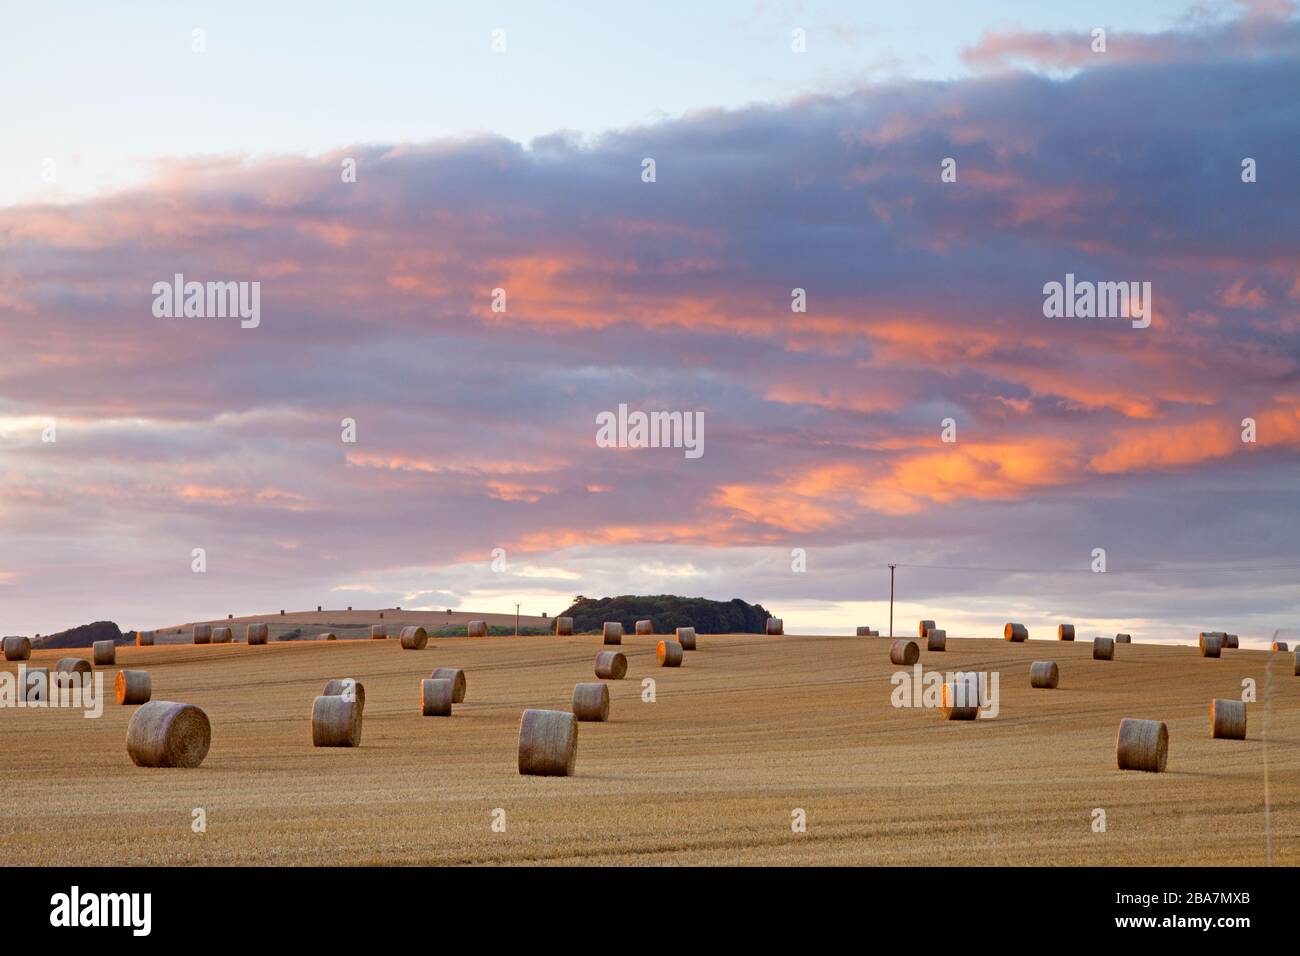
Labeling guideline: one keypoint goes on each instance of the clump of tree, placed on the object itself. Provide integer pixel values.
(668, 611)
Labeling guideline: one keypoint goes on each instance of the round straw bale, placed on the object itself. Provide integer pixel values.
(1044, 674)
(336, 721)
(414, 638)
(1065, 632)
(864, 632)
(105, 652)
(166, 734)
(1142, 745)
(348, 687)
(18, 648)
(202, 633)
(564, 626)
(1016, 632)
(961, 698)
(611, 665)
(1103, 648)
(669, 654)
(686, 638)
(73, 665)
(645, 627)
(457, 678)
(222, 635)
(1230, 641)
(904, 652)
(548, 743)
(1123, 638)
(144, 638)
(936, 639)
(257, 634)
(1228, 719)
(1280, 646)
(133, 687)
(591, 701)
(1211, 643)
(36, 684)
(1297, 663)
(925, 627)
(435, 697)
(775, 625)
(327, 636)
(612, 632)
(377, 632)
(477, 629)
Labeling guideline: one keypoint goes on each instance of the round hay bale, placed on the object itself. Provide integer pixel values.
(1016, 632)
(1142, 745)
(1228, 719)
(960, 699)
(222, 635)
(257, 634)
(166, 734)
(1123, 638)
(414, 638)
(457, 678)
(669, 654)
(1297, 663)
(1065, 632)
(611, 665)
(1230, 641)
(327, 636)
(1280, 646)
(612, 632)
(105, 653)
(645, 627)
(144, 638)
(1211, 644)
(36, 685)
(18, 648)
(924, 629)
(564, 627)
(202, 633)
(686, 637)
(1103, 648)
(378, 633)
(436, 697)
(1044, 674)
(548, 743)
(348, 687)
(74, 668)
(336, 721)
(864, 632)
(904, 652)
(775, 625)
(133, 687)
(936, 639)
(591, 701)
(477, 629)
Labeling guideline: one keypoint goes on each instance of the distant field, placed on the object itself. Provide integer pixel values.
(749, 729)
(350, 624)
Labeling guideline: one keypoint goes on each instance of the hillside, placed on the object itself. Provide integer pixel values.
(668, 612)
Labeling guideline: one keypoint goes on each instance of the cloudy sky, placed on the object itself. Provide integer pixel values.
(136, 158)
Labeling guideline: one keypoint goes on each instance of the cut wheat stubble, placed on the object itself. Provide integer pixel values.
(18, 648)
(591, 702)
(133, 687)
(1142, 745)
(457, 678)
(686, 638)
(436, 697)
(611, 665)
(669, 654)
(336, 721)
(1103, 648)
(414, 638)
(1228, 719)
(904, 653)
(548, 743)
(163, 733)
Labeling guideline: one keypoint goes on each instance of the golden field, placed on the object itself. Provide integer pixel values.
(749, 729)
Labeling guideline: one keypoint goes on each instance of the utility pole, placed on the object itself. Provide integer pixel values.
(891, 599)
(517, 621)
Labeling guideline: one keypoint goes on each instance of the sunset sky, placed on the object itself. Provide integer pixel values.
(775, 170)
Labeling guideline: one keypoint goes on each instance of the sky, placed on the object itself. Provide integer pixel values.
(128, 157)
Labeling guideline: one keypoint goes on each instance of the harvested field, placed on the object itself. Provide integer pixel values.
(754, 727)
